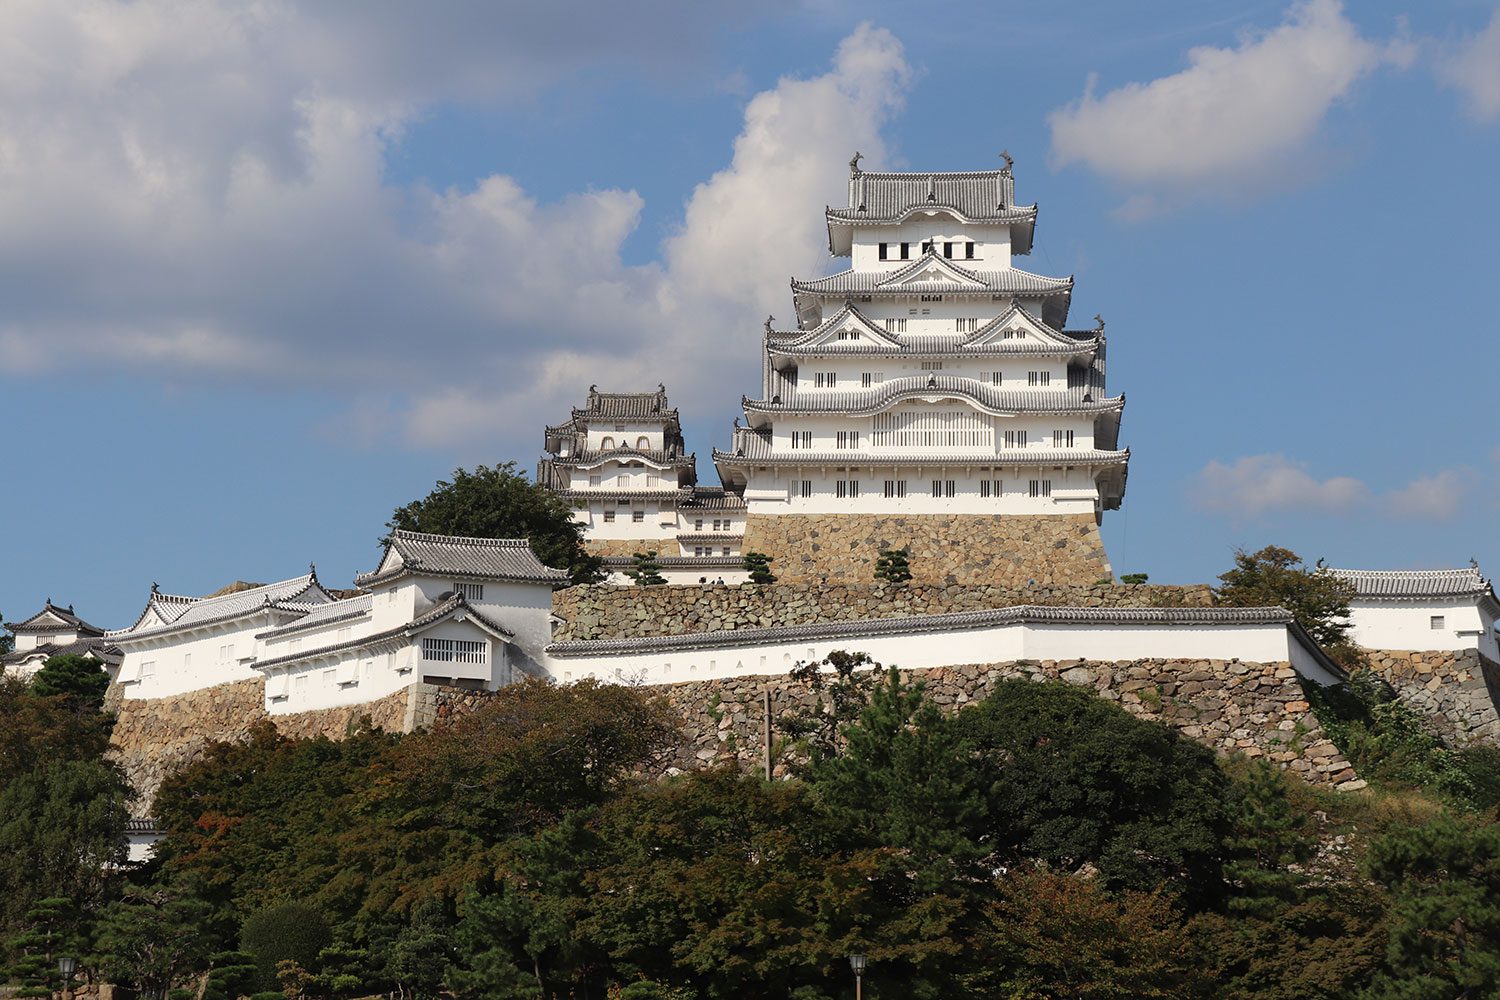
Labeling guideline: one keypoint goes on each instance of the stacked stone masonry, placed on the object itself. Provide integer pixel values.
(607, 612)
(1456, 689)
(153, 737)
(607, 547)
(993, 549)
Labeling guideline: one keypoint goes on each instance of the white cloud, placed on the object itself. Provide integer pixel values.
(1438, 497)
(1256, 484)
(194, 190)
(1474, 68)
(1217, 122)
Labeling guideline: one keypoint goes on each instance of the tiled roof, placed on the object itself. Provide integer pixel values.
(1398, 583)
(318, 615)
(886, 195)
(1011, 281)
(680, 562)
(1047, 342)
(626, 406)
(756, 450)
(657, 456)
(144, 825)
(439, 612)
(452, 555)
(990, 398)
(62, 619)
(712, 498)
(709, 537)
(186, 612)
(1020, 614)
(86, 646)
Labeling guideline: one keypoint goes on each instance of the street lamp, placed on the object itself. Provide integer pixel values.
(857, 963)
(67, 965)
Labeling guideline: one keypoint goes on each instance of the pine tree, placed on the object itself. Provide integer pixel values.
(759, 566)
(646, 572)
(893, 566)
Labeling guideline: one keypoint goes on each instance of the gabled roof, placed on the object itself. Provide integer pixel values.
(1039, 340)
(452, 607)
(166, 613)
(503, 559)
(712, 498)
(1395, 584)
(84, 646)
(934, 273)
(53, 618)
(626, 406)
(991, 399)
(974, 196)
(318, 615)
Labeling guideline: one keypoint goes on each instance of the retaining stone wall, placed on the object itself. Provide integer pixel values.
(1007, 550)
(1258, 709)
(1456, 689)
(630, 546)
(155, 736)
(614, 612)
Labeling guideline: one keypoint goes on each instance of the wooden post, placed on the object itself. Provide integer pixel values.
(767, 732)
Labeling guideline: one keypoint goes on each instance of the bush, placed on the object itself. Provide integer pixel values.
(893, 566)
(277, 933)
(758, 564)
(645, 570)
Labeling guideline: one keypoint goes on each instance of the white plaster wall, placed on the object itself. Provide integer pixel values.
(992, 252)
(624, 435)
(1407, 624)
(1260, 643)
(526, 610)
(850, 371)
(771, 492)
(941, 309)
(825, 431)
(350, 677)
(190, 661)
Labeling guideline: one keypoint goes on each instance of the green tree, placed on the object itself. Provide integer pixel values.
(1134, 579)
(893, 566)
(500, 502)
(1268, 841)
(50, 927)
(34, 729)
(80, 679)
(843, 693)
(1444, 938)
(1074, 780)
(232, 974)
(645, 570)
(62, 827)
(758, 564)
(1277, 577)
(154, 937)
(278, 933)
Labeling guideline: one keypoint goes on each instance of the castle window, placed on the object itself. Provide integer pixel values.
(885, 251)
(1039, 378)
(848, 439)
(896, 324)
(997, 378)
(607, 443)
(594, 480)
(697, 550)
(932, 366)
(1062, 439)
(942, 488)
(968, 251)
(1041, 487)
(948, 250)
(637, 516)
(698, 524)
(906, 251)
(643, 442)
(991, 488)
(609, 517)
(868, 379)
(825, 380)
(846, 489)
(966, 325)
(454, 650)
(806, 488)
(148, 669)
(726, 550)
(801, 439)
(1015, 439)
(895, 489)
(1437, 622)
(471, 591)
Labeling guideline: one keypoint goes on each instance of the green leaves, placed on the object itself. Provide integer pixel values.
(1277, 577)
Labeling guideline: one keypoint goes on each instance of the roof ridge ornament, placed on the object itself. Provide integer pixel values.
(854, 170)
(1099, 322)
(769, 320)
(1009, 161)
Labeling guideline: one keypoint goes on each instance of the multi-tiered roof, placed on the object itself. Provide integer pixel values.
(569, 448)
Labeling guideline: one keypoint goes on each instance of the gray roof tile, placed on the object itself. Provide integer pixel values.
(508, 559)
(990, 398)
(1398, 583)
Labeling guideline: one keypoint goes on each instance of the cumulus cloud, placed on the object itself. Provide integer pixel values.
(1216, 122)
(1474, 68)
(1437, 497)
(197, 190)
(1256, 484)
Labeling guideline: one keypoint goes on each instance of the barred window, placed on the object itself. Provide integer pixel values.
(848, 439)
(896, 325)
(455, 651)
(895, 489)
(846, 489)
(1062, 439)
(942, 488)
(932, 366)
(1015, 439)
(1041, 487)
(471, 591)
(801, 439)
(931, 428)
(1038, 378)
(991, 488)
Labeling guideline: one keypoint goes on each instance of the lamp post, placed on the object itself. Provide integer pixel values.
(67, 965)
(857, 963)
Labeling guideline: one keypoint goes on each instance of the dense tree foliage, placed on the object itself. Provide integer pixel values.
(1040, 843)
(500, 502)
(79, 678)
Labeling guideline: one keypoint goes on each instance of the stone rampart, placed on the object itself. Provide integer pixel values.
(155, 736)
(610, 612)
(1256, 709)
(1456, 689)
(630, 546)
(1006, 550)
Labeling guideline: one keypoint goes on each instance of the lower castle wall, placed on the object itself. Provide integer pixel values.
(1257, 709)
(944, 548)
(630, 546)
(153, 737)
(1455, 688)
(627, 612)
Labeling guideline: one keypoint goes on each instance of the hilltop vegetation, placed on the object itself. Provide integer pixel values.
(1042, 843)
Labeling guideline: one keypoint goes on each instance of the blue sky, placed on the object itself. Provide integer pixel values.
(270, 270)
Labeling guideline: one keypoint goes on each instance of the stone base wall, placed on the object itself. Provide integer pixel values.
(630, 546)
(1002, 550)
(1456, 689)
(155, 736)
(1256, 709)
(609, 612)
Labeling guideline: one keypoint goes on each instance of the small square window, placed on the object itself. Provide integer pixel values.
(1438, 622)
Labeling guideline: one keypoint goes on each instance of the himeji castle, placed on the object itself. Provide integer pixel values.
(930, 397)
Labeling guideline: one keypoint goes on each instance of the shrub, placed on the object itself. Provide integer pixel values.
(646, 571)
(278, 933)
(759, 566)
(893, 566)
